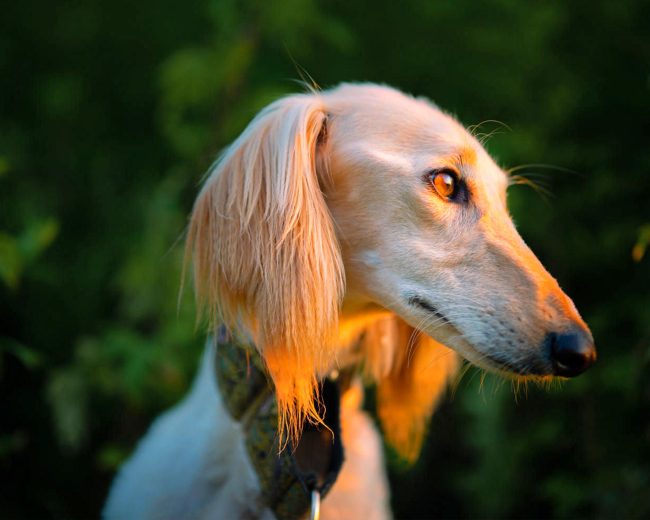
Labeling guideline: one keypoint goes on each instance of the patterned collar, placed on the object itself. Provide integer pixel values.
(290, 477)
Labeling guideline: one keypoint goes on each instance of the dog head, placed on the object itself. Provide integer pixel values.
(421, 214)
(364, 199)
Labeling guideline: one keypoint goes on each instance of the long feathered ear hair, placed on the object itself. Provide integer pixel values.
(266, 259)
(412, 372)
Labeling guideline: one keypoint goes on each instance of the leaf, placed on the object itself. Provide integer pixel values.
(26, 355)
(37, 237)
(67, 393)
(11, 263)
(639, 249)
(111, 457)
(16, 253)
(4, 165)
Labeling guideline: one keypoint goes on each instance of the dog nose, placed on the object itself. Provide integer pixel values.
(572, 352)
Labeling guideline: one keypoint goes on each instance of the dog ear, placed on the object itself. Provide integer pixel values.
(266, 259)
(412, 372)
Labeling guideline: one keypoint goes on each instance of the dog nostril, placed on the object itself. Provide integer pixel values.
(571, 353)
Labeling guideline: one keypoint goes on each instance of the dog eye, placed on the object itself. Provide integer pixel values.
(445, 182)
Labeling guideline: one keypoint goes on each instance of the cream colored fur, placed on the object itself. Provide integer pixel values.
(313, 236)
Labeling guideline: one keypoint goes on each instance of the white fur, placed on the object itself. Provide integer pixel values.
(192, 464)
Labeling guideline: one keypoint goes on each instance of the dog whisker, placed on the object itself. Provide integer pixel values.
(474, 128)
(519, 167)
(544, 192)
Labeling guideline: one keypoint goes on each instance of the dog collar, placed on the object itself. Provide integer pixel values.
(292, 479)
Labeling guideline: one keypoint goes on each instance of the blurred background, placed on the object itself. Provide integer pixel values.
(110, 113)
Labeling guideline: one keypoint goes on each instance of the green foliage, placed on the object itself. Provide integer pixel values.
(29, 358)
(18, 252)
(639, 249)
(112, 112)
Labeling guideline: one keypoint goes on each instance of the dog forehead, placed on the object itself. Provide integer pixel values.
(384, 126)
(387, 116)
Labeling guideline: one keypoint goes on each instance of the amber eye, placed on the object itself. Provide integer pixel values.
(445, 183)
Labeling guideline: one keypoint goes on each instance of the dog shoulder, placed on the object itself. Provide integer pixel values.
(191, 464)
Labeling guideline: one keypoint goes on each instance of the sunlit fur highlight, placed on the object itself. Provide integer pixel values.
(266, 259)
(412, 371)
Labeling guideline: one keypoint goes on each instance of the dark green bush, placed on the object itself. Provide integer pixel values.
(110, 112)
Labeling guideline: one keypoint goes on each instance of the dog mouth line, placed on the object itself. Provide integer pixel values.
(497, 362)
(502, 364)
(418, 301)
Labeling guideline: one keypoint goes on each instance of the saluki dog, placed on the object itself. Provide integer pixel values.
(353, 234)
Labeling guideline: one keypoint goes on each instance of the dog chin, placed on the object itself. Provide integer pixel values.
(532, 369)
